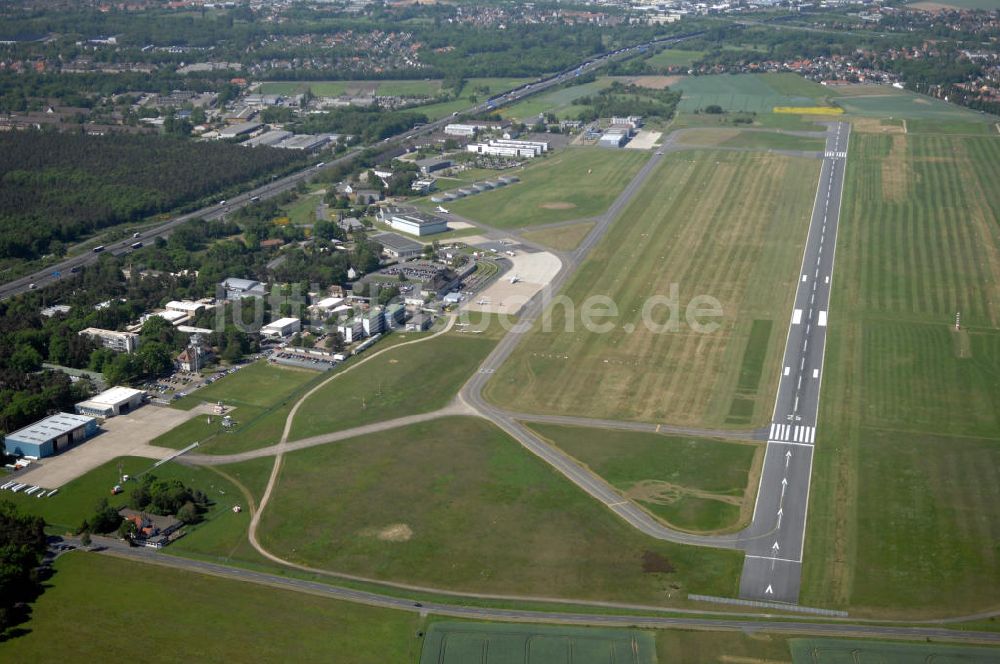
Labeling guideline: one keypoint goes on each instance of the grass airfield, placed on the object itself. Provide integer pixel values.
(729, 225)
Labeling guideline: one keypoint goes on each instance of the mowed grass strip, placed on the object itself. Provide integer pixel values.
(457, 504)
(729, 225)
(403, 381)
(572, 184)
(561, 238)
(692, 484)
(93, 601)
(902, 511)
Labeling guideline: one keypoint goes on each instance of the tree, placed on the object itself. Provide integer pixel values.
(25, 359)
(188, 513)
(105, 519)
(85, 539)
(22, 545)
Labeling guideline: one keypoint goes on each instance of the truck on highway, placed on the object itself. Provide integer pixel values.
(137, 245)
(254, 199)
(98, 249)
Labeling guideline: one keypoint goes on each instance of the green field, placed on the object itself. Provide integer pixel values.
(498, 643)
(94, 606)
(758, 93)
(405, 381)
(559, 101)
(561, 238)
(902, 514)
(572, 184)
(836, 651)
(691, 484)
(751, 140)
(675, 57)
(456, 504)
(729, 225)
(261, 395)
(890, 102)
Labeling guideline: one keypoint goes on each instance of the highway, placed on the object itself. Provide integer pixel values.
(396, 144)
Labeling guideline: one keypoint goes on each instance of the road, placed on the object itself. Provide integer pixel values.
(746, 623)
(774, 541)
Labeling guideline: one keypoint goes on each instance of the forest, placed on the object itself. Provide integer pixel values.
(57, 188)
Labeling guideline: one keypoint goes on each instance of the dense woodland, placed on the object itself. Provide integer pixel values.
(369, 124)
(621, 99)
(56, 188)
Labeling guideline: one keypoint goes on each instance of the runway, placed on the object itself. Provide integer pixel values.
(774, 542)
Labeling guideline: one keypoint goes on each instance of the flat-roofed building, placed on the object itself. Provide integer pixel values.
(413, 222)
(458, 129)
(119, 342)
(241, 129)
(111, 402)
(398, 246)
(283, 327)
(50, 436)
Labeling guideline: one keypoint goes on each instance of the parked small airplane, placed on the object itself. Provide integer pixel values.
(514, 279)
(485, 300)
(441, 208)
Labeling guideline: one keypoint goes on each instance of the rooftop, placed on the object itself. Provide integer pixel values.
(49, 428)
(398, 242)
(114, 395)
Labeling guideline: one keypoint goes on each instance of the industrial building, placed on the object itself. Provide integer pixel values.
(241, 129)
(615, 137)
(235, 289)
(509, 148)
(413, 222)
(304, 142)
(432, 164)
(398, 246)
(456, 129)
(272, 137)
(283, 327)
(52, 435)
(119, 342)
(111, 402)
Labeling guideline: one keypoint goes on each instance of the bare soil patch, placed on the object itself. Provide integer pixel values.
(558, 205)
(654, 82)
(396, 532)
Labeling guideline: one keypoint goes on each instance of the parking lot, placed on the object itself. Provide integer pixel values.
(125, 435)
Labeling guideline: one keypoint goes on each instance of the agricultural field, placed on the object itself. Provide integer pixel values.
(93, 602)
(574, 183)
(457, 504)
(560, 102)
(561, 238)
(888, 102)
(461, 643)
(676, 645)
(675, 57)
(692, 484)
(902, 514)
(727, 225)
(260, 394)
(405, 381)
(758, 93)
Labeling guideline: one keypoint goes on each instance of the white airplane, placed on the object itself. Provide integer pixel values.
(485, 300)
(514, 279)
(441, 208)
